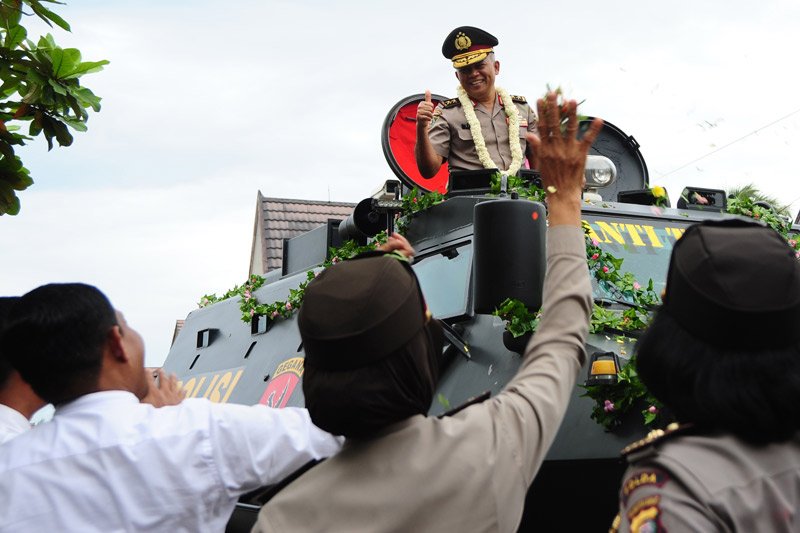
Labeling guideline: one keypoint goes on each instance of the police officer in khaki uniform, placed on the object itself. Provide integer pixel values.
(723, 355)
(473, 131)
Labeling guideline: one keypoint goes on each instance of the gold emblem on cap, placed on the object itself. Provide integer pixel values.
(462, 41)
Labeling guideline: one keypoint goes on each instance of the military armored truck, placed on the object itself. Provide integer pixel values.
(219, 356)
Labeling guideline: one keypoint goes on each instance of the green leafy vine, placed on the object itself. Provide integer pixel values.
(749, 207)
(414, 202)
(528, 191)
(249, 304)
(519, 319)
(613, 401)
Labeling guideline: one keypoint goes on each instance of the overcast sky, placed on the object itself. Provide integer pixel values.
(205, 103)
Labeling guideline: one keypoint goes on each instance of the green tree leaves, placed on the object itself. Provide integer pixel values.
(39, 84)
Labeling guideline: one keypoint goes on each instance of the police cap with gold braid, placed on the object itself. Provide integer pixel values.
(467, 45)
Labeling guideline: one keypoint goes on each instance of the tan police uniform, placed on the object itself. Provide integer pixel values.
(466, 472)
(685, 481)
(451, 137)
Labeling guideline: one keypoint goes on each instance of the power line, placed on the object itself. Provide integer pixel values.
(731, 143)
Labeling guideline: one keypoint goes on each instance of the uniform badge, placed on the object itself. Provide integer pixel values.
(643, 516)
(462, 41)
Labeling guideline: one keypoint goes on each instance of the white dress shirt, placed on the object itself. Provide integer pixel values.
(12, 423)
(107, 463)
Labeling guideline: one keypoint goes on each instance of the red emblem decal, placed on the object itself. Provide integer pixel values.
(283, 382)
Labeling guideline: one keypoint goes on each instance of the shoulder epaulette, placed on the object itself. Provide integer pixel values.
(519, 99)
(453, 102)
(655, 437)
(482, 397)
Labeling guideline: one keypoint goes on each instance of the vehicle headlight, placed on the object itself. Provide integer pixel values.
(600, 172)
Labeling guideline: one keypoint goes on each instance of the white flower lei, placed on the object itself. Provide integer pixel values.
(477, 135)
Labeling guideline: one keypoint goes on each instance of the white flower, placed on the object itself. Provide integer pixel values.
(512, 113)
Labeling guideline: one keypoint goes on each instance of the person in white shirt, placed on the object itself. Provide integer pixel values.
(109, 463)
(18, 402)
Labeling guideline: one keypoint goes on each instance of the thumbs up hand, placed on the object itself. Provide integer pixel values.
(425, 111)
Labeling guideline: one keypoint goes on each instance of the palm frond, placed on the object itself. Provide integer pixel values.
(749, 190)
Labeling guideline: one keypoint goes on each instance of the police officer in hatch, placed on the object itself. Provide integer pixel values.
(484, 127)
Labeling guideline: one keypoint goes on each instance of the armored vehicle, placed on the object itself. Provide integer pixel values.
(219, 356)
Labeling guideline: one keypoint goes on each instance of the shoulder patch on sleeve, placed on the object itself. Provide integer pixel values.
(644, 515)
(519, 99)
(453, 102)
(643, 478)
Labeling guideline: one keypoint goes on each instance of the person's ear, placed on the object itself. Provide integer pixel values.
(115, 345)
(496, 68)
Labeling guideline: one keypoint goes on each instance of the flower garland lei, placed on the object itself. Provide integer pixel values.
(477, 135)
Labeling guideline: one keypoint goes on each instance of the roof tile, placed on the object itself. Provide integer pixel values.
(287, 218)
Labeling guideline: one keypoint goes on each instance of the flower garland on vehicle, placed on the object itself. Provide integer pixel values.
(518, 318)
(529, 191)
(746, 206)
(249, 304)
(606, 269)
(414, 202)
(613, 401)
(511, 112)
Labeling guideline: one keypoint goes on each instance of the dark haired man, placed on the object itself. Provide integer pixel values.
(371, 371)
(18, 402)
(484, 126)
(109, 463)
(723, 355)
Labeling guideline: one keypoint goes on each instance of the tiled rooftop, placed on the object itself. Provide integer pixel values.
(178, 328)
(278, 219)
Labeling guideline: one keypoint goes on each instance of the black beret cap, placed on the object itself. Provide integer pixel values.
(735, 283)
(467, 45)
(359, 311)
